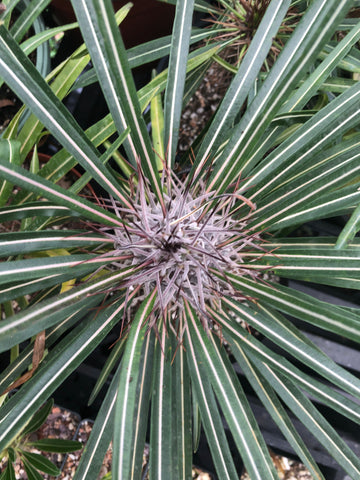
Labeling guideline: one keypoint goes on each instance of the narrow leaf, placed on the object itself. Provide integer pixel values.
(9, 150)
(312, 32)
(25, 242)
(176, 76)
(31, 472)
(303, 306)
(59, 195)
(210, 415)
(182, 421)
(350, 230)
(126, 405)
(39, 418)
(161, 428)
(40, 463)
(100, 436)
(239, 337)
(56, 445)
(111, 362)
(54, 310)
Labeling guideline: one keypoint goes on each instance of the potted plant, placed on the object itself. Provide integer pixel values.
(181, 254)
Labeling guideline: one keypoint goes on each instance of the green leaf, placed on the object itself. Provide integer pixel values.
(350, 62)
(32, 268)
(196, 420)
(337, 84)
(62, 162)
(21, 288)
(9, 150)
(320, 75)
(111, 362)
(329, 317)
(31, 472)
(161, 427)
(181, 413)
(158, 84)
(46, 209)
(85, 179)
(54, 310)
(304, 262)
(141, 418)
(239, 337)
(39, 418)
(60, 81)
(318, 175)
(24, 359)
(32, 43)
(288, 337)
(11, 455)
(27, 18)
(55, 445)
(40, 463)
(65, 75)
(100, 436)
(338, 202)
(157, 129)
(199, 5)
(232, 400)
(176, 76)
(24, 242)
(130, 384)
(350, 230)
(147, 52)
(9, 473)
(210, 415)
(338, 117)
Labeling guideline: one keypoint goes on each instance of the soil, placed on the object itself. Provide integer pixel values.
(203, 105)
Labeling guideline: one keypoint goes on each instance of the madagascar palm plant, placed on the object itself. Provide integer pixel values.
(182, 254)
